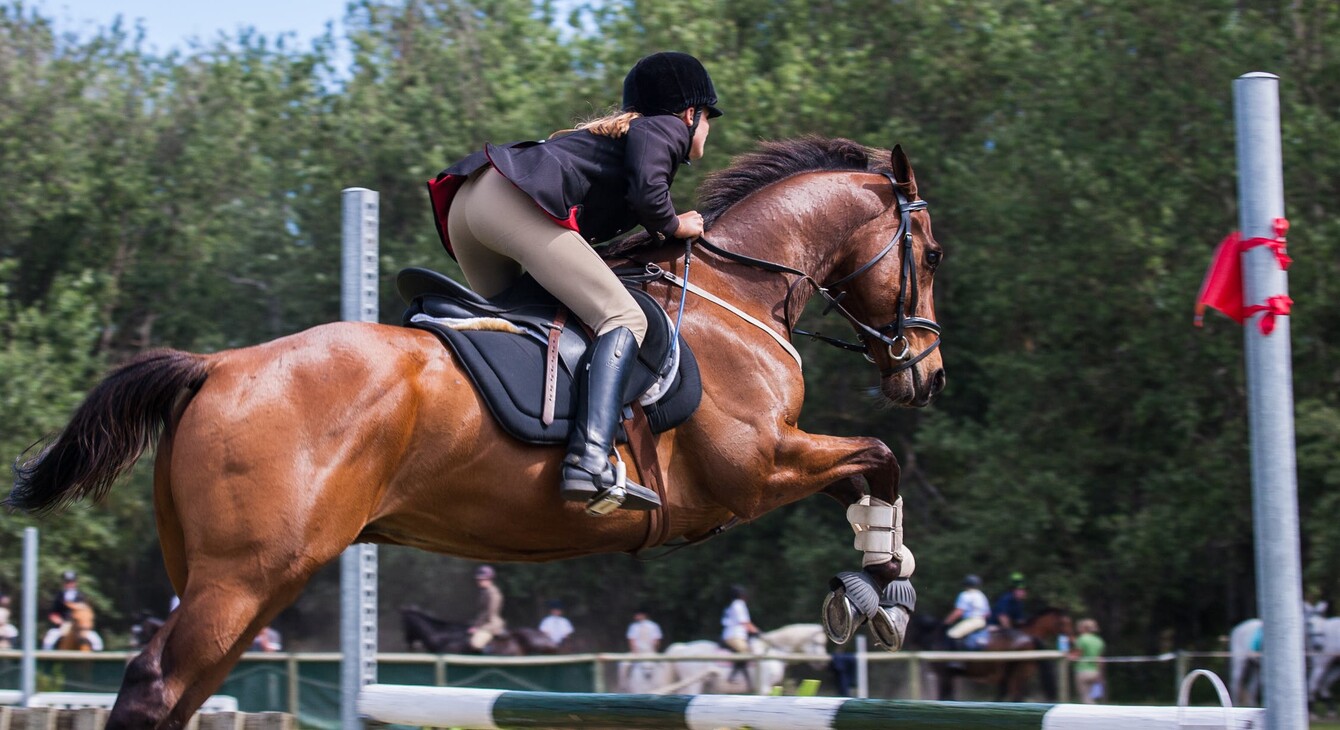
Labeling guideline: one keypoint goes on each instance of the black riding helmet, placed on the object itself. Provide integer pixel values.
(668, 83)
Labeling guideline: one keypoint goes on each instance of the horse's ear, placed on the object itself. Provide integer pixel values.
(902, 171)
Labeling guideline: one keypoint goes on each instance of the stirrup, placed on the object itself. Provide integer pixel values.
(602, 501)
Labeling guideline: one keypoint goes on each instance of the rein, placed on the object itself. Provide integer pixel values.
(868, 335)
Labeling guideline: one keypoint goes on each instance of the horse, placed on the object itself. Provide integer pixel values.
(720, 676)
(1323, 663)
(1010, 678)
(77, 633)
(440, 636)
(1245, 663)
(274, 458)
(144, 628)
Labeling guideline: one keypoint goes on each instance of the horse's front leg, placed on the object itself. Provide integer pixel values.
(804, 464)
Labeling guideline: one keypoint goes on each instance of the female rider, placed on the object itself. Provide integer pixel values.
(539, 207)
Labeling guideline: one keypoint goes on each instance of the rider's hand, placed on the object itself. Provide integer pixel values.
(690, 225)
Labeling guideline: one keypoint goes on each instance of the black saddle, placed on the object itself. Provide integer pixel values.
(508, 369)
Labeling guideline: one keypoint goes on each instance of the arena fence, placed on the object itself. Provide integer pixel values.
(306, 685)
(478, 709)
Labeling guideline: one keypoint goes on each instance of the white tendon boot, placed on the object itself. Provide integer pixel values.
(855, 597)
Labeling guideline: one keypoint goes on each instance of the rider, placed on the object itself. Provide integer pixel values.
(967, 622)
(540, 206)
(69, 593)
(1008, 610)
(737, 626)
(488, 622)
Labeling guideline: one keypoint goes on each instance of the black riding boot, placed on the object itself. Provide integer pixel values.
(588, 475)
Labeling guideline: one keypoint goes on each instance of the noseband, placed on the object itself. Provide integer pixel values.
(893, 335)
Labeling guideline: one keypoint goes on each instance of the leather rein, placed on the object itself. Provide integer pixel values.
(892, 334)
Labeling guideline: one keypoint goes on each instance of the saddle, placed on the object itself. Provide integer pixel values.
(522, 348)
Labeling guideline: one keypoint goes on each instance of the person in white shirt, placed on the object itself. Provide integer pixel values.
(644, 635)
(556, 626)
(967, 622)
(736, 624)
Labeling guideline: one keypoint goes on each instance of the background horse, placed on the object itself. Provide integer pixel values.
(1244, 667)
(275, 458)
(439, 636)
(721, 676)
(1010, 678)
(144, 628)
(77, 633)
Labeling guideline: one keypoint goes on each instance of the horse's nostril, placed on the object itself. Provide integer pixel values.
(938, 381)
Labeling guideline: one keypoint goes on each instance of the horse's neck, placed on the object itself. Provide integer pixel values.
(792, 638)
(802, 224)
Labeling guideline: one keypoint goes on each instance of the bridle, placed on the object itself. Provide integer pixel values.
(893, 334)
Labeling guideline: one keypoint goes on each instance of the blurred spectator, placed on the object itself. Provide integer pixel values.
(268, 640)
(556, 626)
(1089, 647)
(644, 635)
(8, 632)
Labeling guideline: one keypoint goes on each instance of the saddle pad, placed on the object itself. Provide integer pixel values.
(508, 371)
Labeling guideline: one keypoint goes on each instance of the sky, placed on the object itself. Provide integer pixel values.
(171, 24)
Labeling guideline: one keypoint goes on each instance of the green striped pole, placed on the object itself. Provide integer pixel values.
(484, 709)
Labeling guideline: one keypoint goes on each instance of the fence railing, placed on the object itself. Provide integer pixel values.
(306, 684)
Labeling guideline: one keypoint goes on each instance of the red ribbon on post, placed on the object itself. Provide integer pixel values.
(1222, 287)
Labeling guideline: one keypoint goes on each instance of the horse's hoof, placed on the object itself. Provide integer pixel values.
(889, 627)
(900, 593)
(840, 617)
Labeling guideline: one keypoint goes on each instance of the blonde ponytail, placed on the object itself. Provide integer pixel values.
(611, 125)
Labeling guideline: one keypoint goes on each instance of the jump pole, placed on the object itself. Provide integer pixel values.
(1279, 586)
(359, 214)
(484, 709)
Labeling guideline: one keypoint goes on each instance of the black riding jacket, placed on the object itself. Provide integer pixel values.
(598, 186)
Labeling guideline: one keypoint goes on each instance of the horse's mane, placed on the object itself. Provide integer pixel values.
(771, 162)
(437, 623)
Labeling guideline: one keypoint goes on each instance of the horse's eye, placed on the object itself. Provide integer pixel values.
(933, 258)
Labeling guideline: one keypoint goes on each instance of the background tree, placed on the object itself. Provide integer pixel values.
(1078, 157)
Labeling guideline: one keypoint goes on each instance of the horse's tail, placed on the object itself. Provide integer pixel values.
(109, 431)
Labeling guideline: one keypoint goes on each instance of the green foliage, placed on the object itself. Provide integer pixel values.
(1078, 157)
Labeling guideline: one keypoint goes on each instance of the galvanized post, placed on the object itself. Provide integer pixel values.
(28, 665)
(358, 565)
(862, 668)
(1270, 405)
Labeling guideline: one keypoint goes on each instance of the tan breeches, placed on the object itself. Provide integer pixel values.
(497, 232)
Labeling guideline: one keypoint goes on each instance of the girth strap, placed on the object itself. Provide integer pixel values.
(551, 367)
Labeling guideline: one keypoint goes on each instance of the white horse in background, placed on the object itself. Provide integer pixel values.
(722, 676)
(1325, 667)
(1245, 661)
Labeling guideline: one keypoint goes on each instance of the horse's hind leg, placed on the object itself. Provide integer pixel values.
(191, 655)
(243, 563)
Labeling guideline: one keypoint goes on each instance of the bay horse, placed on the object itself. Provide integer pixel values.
(439, 636)
(1010, 678)
(274, 458)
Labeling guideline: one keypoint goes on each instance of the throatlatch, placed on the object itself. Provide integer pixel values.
(857, 597)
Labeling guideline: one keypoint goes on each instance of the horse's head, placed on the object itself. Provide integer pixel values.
(888, 280)
(1050, 623)
(144, 629)
(1314, 617)
(81, 615)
